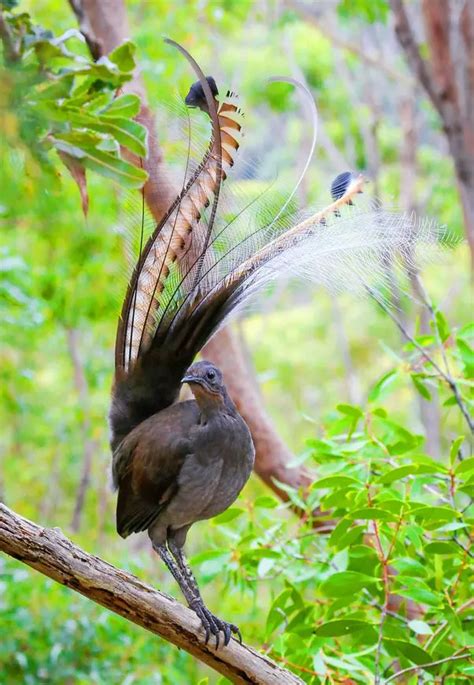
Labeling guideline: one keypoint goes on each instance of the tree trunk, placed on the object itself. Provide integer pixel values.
(449, 90)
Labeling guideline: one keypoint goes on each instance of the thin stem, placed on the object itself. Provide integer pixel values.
(463, 607)
(386, 585)
(446, 376)
(428, 665)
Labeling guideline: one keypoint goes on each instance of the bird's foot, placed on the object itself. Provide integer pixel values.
(214, 626)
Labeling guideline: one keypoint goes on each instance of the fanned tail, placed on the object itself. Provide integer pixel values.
(211, 255)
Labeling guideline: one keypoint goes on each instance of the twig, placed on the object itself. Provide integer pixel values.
(459, 610)
(11, 53)
(428, 665)
(383, 558)
(51, 553)
(95, 46)
(446, 377)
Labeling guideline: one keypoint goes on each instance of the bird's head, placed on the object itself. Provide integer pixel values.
(196, 96)
(204, 377)
(342, 184)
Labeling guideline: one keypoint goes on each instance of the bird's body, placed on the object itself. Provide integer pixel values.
(184, 464)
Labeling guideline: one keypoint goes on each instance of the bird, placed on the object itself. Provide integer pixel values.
(178, 462)
(186, 463)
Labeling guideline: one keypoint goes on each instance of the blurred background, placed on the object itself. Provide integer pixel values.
(309, 350)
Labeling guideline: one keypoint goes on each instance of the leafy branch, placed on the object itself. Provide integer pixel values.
(65, 102)
(439, 662)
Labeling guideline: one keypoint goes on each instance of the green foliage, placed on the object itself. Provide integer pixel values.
(57, 99)
(50, 636)
(343, 604)
(398, 516)
(368, 10)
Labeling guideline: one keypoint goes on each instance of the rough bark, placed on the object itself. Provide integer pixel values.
(107, 27)
(438, 78)
(51, 553)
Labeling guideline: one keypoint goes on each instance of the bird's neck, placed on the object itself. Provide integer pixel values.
(210, 405)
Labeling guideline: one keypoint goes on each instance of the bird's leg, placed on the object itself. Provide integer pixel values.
(190, 592)
(170, 562)
(212, 622)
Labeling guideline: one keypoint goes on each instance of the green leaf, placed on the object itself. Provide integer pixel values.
(262, 553)
(420, 594)
(340, 530)
(346, 583)
(351, 536)
(54, 90)
(382, 385)
(115, 168)
(208, 555)
(408, 566)
(123, 56)
(277, 615)
(414, 653)
(450, 402)
(336, 482)
(350, 410)
(421, 388)
(428, 463)
(442, 547)
(465, 466)
(467, 356)
(467, 331)
(436, 513)
(228, 515)
(398, 474)
(453, 452)
(266, 502)
(130, 134)
(420, 627)
(340, 627)
(124, 106)
(442, 326)
(372, 514)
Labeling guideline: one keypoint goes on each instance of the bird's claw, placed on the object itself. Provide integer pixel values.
(214, 626)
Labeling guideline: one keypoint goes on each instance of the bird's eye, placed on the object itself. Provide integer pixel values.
(211, 375)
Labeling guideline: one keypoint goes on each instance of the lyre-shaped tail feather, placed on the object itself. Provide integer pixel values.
(176, 240)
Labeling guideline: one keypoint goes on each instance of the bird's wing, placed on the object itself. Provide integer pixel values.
(147, 463)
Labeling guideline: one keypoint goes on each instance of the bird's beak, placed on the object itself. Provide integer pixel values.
(191, 379)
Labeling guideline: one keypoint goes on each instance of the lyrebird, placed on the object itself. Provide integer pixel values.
(175, 463)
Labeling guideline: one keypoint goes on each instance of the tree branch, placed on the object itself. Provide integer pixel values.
(438, 79)
(11, 53)
(408, 42)
(51, 553)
